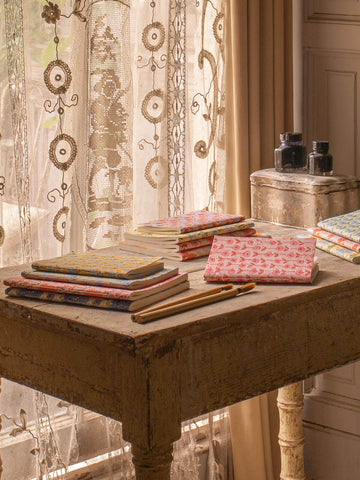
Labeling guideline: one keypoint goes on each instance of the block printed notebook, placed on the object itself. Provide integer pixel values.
(331, 237)
(104, 281)
(181, 256)
(164, 238)
(347, 225)
(275, 260)
(112, 266)
(93, 290)
(87, 301)
(190, 222)
(334, 249)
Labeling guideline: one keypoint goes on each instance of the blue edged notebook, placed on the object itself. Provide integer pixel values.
(133, 284)
(87, 301)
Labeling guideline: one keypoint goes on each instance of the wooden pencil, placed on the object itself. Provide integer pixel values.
(143, 317)
(194, 296)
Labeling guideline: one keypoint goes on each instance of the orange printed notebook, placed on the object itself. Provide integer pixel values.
(190, 222)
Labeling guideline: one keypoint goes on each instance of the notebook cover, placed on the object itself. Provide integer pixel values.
(104, 281)
(347, 225)
(180, 256)
(190, 222)
(280, 260)
(111, 304)
(112, 266)
(161, 248)
(331, 237)
(186, 237)
(93, 290)
(334, 249)
(167, 248)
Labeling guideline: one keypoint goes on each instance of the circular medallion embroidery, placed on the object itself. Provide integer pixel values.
(152, 106)
(62, 151)
(2, 235)
(153, 36)
(218, 28)
(60, 236)
(57, 77)
(153, 173)
(201, 149)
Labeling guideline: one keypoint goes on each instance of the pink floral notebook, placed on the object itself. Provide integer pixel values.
(275, 260)
(93, 290)
(190, 222)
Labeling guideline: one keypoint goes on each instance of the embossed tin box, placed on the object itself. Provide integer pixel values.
(300, 199)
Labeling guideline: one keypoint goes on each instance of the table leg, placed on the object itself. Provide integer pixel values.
(291, 436)
(152, 465)
(151, 415)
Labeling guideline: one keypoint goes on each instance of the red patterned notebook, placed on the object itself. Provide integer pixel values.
(93, 290)
(276, 260)
(190, 222)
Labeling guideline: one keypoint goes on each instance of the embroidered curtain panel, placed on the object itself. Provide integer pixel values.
(112, 113)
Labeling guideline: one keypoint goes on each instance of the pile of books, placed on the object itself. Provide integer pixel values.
(104, 281)
(187, 236)
(339, 236)
(274, 260)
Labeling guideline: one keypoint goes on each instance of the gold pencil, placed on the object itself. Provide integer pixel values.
(183, 306)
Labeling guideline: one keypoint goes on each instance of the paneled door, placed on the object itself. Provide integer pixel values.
(331, 42)
(331, 90)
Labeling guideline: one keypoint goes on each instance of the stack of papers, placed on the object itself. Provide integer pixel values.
(339, 236)
(104, 281)
(184, 237)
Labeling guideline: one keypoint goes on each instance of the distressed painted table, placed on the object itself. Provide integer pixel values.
(153, 376)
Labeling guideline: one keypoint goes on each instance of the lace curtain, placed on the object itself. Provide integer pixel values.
(111, 114)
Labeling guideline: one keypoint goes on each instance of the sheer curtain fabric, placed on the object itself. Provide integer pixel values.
(112, 113)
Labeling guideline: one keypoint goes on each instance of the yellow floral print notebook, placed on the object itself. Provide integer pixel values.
(111, 266)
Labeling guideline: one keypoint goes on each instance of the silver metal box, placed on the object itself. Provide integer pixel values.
(300, 199)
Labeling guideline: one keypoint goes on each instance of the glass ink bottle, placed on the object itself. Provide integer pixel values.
(320, 162)
(290, 155)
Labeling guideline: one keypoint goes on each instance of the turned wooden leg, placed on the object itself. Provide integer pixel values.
(291, 437)
(152, 465)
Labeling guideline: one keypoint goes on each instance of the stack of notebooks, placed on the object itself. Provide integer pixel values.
(104, 281)
(339, 236)
(275, 260)
(187, 236)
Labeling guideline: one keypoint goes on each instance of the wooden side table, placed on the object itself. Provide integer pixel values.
(153, 376)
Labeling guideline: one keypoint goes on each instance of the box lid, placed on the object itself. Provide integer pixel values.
(302, 182)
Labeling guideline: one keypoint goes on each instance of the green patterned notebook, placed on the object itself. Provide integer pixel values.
(347, 225)
(111, 266)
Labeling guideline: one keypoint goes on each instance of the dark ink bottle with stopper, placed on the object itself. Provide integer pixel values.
(290, 155)
(320, 162)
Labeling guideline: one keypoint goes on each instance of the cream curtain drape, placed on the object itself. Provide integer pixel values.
(259, 90)
(259, 106)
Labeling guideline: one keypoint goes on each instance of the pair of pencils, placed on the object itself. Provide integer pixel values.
(213, 295)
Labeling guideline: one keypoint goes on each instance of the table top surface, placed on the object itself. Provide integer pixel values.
(204, 359)
(118, 327)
